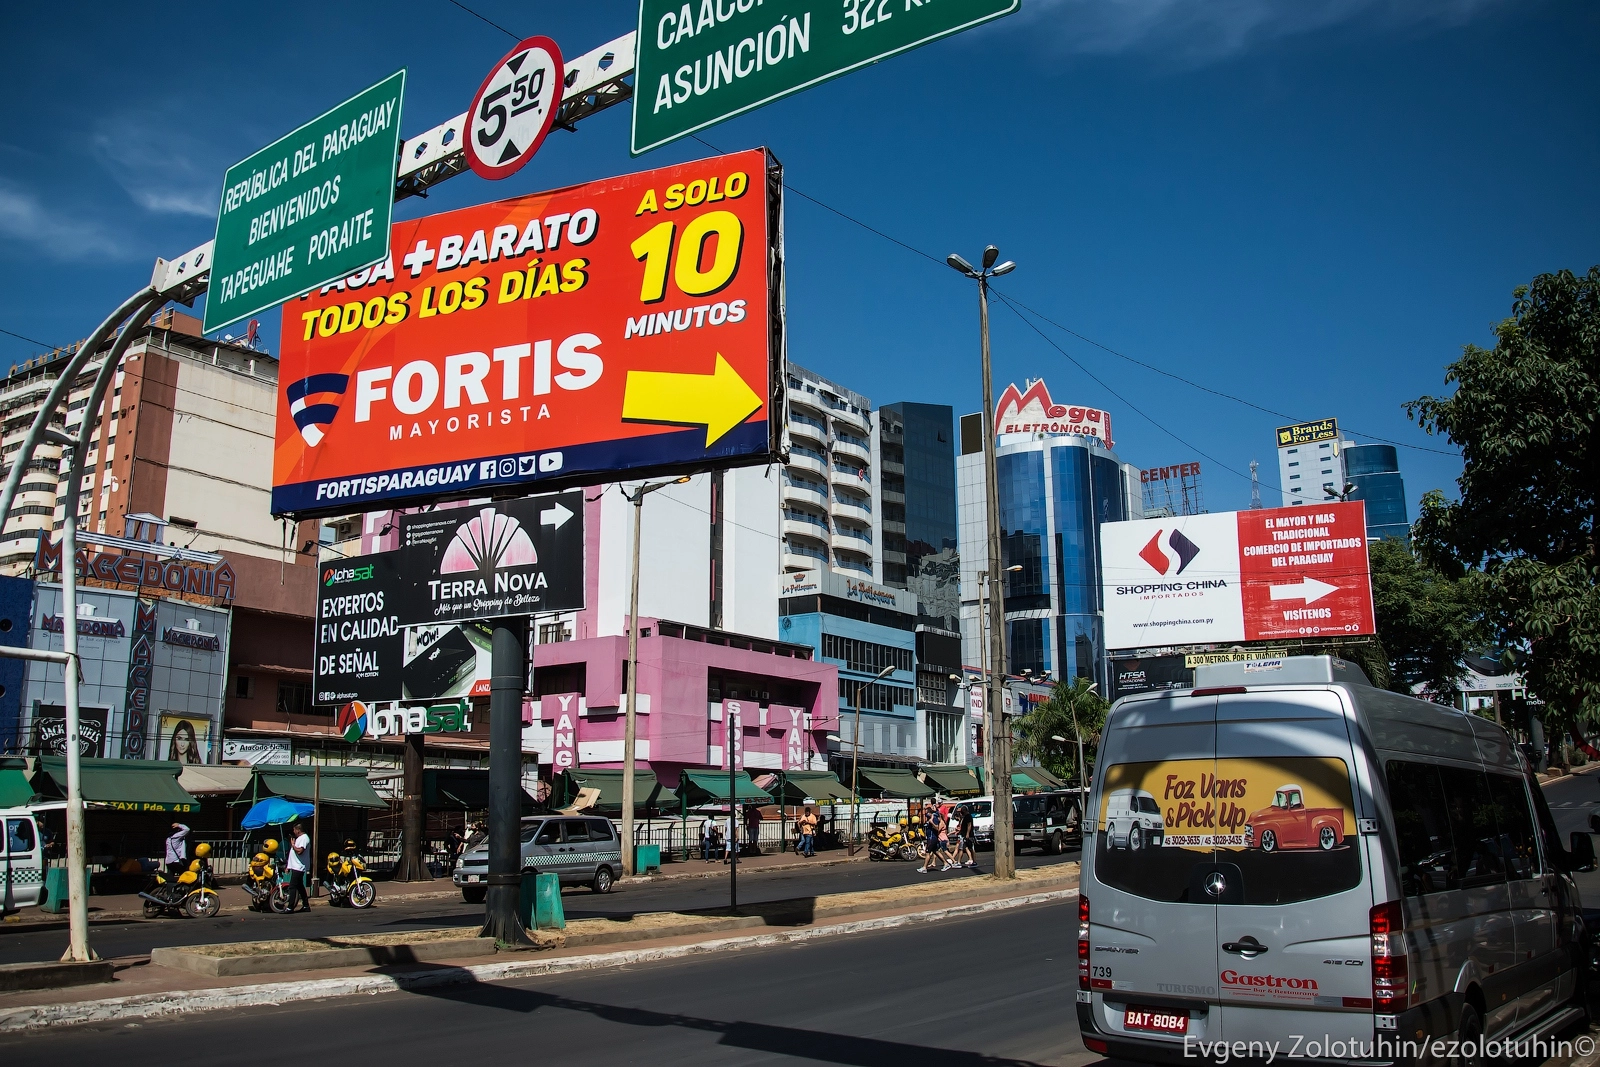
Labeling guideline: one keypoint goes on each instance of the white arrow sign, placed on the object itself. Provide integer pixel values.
(1308, 589)
(555, 516)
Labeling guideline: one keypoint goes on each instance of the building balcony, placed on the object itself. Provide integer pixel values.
(848, 418)
(796, 526)
(795, 493)
(804, 462)
(851, 565)
(856, 541)
(808, 429)
(851, 450)
(860, 481)
(810, 402)
(800, 556)
(847, 509)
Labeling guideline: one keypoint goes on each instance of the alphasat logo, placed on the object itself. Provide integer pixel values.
(338, 575)
(314, 401)
(1155, 555)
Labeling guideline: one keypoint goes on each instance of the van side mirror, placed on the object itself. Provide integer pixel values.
(1582, 855)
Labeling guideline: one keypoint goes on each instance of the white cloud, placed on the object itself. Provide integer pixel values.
(163, 169)
(58, 235)
(1201, 31)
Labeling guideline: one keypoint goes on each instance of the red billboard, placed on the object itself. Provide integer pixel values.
(625, 327)
(1305, 571)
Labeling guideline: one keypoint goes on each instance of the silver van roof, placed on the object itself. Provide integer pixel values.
(1289, 670)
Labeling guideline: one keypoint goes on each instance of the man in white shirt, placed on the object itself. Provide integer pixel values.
(176, 848)
(299, 863)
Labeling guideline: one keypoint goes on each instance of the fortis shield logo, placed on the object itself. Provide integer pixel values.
(314, 401)
(1180, 546)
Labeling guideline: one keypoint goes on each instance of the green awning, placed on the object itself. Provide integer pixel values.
(711, 787)
(123, 784)
(893, 783)
(952, 779)
(801, 787)
(1045, 779)
(1022, 783)
(15, 788)
(647, 791)
(462, 789)
(340, 787)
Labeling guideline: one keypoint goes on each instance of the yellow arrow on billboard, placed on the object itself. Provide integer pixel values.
(719, 401)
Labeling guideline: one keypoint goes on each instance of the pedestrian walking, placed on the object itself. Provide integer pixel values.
(752, 828)
(932, 827)
(176, 849)
(808, 833)
(967, 837)
(299, 864)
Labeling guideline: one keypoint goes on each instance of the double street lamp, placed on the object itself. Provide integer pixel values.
(855, 759)
(999, 755)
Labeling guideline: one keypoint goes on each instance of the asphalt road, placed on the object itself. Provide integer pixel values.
(37, 943)
(988, 991)
(1571, 801)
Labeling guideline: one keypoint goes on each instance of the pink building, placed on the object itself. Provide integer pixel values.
(694, 684)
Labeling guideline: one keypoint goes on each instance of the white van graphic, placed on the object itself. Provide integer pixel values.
(1133, 819)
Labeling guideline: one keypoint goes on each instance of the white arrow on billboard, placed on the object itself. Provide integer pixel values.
(555, 516)
(1307, 589)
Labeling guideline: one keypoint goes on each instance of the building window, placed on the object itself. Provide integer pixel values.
(553, 632)
(932, 688)
(1296, 463)
(1293, 476)
(865, 656)
(876, 696)
(294, 698)
(243, 685)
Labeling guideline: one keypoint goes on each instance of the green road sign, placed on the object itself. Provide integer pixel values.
(703, 61)
(310, 208)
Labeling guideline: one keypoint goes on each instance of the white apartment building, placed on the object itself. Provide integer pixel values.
(1308, 471)
(831, 494)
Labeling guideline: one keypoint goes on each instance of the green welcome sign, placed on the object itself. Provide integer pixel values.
(704, 61)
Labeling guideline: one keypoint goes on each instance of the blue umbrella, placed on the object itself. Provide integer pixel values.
(274, 811)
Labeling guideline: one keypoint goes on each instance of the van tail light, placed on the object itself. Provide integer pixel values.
(1391, 979)
(1083, 942)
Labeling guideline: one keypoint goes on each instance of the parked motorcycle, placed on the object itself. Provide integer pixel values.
(267, 891)
(347, 880)
(890, 843)
(193, 892)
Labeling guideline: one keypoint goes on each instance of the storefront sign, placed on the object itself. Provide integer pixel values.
(50, 730)
(185, 739)
(618, 328)
(256, 752)
(1307, 433)
(1149, 672)
(171, 576)
(141, 663)
(190, 636)
(88, 625)
(1033, 412)
(453, 718)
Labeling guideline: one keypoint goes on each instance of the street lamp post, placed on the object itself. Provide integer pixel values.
(855, 761)
(1004, 860)
(630, 724)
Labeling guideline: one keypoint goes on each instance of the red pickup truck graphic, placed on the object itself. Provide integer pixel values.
(1288, 823)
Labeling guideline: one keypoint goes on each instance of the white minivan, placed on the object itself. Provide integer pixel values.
(21, 860)
(1344, 873)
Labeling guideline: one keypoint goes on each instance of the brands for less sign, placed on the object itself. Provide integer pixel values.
(1258, 575)
(622, 327)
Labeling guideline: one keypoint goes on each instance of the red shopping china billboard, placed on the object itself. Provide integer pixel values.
(621, 328)
(1265, 574)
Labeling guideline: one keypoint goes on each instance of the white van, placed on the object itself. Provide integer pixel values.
(21, 860)
(1342, 871)
(1133, 819)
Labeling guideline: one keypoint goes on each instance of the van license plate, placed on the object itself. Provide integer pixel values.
(1156, 1020)
(471, 878)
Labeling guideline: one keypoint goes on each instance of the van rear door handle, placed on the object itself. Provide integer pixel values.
(1248, 947)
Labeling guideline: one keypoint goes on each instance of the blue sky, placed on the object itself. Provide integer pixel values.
(1309, 204)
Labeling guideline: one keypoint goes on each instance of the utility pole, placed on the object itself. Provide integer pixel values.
(999, 729)
(855, 763)
(630, 727)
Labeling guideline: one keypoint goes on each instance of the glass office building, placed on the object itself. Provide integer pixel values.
(918, 459)
(1374, 470)
(1055, 492)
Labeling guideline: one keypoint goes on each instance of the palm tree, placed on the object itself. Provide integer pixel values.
(1051, 731)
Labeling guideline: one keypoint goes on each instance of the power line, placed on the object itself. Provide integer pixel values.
(484, 18)
(30, 340)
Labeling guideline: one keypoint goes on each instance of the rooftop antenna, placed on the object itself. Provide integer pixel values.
(1255, 487)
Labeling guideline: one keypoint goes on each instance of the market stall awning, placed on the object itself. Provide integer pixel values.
(202, 778)
(711, 787)
(647, 791)
(462, 789)
(123, 784)
(16, 789)
(893, 783)
(341, 787)
(808, 787)
(1045, 779)
(952, 779)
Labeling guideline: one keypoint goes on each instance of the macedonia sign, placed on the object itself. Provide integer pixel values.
(1258, 575)
(626, 327)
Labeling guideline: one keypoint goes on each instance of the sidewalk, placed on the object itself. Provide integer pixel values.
(142, 990)
(124, 906)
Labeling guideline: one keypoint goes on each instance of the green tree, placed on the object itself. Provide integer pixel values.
(1073, 710)
(1523, 414)
(1427, 620)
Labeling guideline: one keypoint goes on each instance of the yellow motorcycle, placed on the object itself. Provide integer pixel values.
(261, 881)
(890, 843)
(193, 892)
(347, 880)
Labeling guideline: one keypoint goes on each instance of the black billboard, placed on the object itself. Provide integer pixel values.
(1149, 672)
(519, 557)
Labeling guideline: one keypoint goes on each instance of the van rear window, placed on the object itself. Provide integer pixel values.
(1263, 830)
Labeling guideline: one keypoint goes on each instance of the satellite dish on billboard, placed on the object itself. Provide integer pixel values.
(514, 108)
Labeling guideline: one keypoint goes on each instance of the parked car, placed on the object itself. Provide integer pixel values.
(1448, 914)
(579, 850)
(1133, 819)
(1047, 821)
(982, 818)
(21, 860)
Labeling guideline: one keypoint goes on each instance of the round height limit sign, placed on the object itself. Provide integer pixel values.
(514, 108)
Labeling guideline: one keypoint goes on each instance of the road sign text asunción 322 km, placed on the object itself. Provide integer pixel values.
(310, 208)
(704, 61)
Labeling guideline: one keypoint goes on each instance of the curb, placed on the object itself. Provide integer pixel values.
(157, 1005)
(777, 868)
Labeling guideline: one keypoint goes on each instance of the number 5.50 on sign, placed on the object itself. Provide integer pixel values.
(622, 328)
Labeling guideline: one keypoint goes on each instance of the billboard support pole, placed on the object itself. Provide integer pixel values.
(411, 868)
(508, 677)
